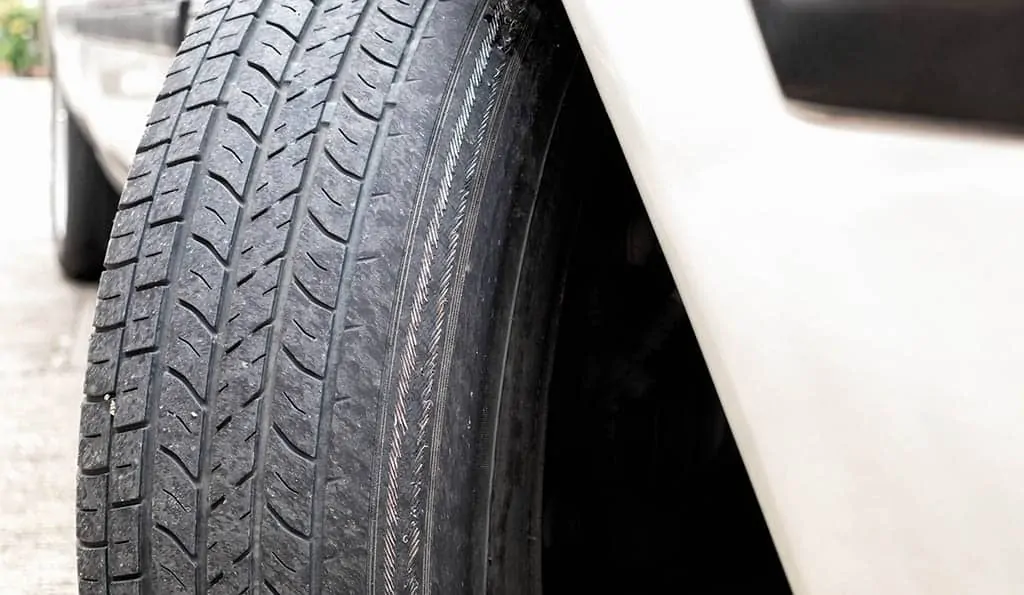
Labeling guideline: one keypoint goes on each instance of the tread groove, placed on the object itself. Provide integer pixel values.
(309, 295)
(225, 184)
(159, 528)
(205, 243)
(285, 524)
(170, 454)
(291, 445)
(282, 29)
(175, 373)
(377, 58)
(253, 136)
(355, 107)
(323, 229)
(264, 72)
(191, 309)
(393, 19)
(338, 166)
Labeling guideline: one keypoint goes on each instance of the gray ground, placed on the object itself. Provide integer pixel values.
(44, 328)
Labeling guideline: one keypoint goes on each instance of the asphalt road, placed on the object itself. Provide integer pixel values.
(44, 329)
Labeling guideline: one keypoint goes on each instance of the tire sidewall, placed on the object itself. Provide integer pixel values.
(482, 493)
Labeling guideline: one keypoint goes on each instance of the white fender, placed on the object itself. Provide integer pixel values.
(857, 287)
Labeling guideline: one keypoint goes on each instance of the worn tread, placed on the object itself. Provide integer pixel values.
(248, 297)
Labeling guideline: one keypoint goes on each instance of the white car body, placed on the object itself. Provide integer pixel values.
(114, 83)
(856, 285)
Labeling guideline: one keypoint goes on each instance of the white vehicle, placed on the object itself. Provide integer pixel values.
(524, 296)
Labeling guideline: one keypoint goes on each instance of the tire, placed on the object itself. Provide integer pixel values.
(82, 200)
(323, 334)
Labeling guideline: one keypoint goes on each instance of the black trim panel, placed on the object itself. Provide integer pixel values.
(960, 59)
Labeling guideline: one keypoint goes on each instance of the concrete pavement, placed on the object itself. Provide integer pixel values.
(44, 328)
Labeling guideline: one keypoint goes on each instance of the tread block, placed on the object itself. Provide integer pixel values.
(202, 30)
(126, 466)
(302, 115)
(306, 333)
(170, 192)
(112, 297)
(209, 81)
(202, 282)
(162, 120)
(92, 571)
(180, 423)
(290, 486)
(132, 390)
(364, 90)
(190, 134)
(296, 405)
(228, 528)
(333, 201)
(350, 148)
(155, 254)
(280, 179)
(388, 41)
(318, 265)
(242, 8)
(188, 350)
(232, 157)
(123, 552)
(235, 435)
(94, 437)
(92, 509)
(248, 317)
(182, 71)
(174, 503)
(403, 11)
(126, 235)
(269, 52)
(333, 226)
(175, 572)
(290, 14)
(142, 177)
(286, 559)
(101, 369)
(143, 317)
(250, 99)
(230, 37)
(215, 220)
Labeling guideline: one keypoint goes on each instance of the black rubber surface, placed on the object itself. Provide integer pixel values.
(91, 205)
(307, 275)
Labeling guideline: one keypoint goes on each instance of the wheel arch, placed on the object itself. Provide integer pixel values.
(844, 274)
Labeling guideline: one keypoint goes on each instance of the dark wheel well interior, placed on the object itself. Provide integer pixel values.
(644, 488)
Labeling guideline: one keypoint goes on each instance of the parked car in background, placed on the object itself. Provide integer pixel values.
(108, 62)
(514, 296)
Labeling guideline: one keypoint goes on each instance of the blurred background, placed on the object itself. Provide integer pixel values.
(45, 322)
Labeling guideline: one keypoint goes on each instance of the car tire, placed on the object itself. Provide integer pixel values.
(82, 200)
(324, 329)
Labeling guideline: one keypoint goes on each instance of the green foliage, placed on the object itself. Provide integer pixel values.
(19, 35)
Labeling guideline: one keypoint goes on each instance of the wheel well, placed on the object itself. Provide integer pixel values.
(642, 477)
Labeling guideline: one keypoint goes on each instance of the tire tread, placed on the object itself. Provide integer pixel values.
(210, 390)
